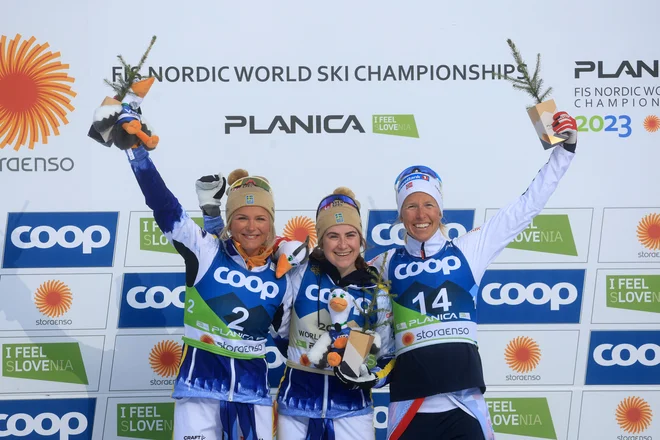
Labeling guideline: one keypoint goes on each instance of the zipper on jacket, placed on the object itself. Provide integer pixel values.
(325, 396)
(233, 380)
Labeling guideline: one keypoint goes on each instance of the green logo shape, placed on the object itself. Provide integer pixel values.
(525, 416)
(547, 233)
(153, 421)
(153, 239)
(633, 292)
(395, 125)
(54, 362)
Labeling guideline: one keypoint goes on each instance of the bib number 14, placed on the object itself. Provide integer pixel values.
(441, 301)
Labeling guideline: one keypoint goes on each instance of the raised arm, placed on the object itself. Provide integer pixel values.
(193, 243)
(482, 245)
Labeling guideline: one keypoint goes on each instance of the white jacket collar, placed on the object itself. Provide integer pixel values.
(431, 247)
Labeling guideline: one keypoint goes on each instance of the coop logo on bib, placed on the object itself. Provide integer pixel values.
(528, 417)
(57, 419)
(60, 239)
(432, 265)
(384, 232)
(54, 362)
(265, 289)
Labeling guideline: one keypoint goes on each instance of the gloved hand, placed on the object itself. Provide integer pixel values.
(565, 127)
(210, 190)
(365, 381)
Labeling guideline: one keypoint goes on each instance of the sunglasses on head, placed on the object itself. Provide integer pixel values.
(250, 181)
(333, 199)
(415, 169)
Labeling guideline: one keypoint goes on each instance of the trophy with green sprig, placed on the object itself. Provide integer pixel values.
(544, 109)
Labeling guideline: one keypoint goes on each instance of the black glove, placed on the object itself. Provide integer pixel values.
(366, 381)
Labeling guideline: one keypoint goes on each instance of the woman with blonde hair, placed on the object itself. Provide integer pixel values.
(232, 297)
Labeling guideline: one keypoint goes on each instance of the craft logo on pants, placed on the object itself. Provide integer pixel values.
(548, 233)
(524, 416)
(35, 94)
(153, 239)
(60, 239)
(633, 292)
(634, 415)
(383, 231)
(624, 358)
(54, 419)
(152, 421)
(54, 362)
(152, 300)
(396, 125)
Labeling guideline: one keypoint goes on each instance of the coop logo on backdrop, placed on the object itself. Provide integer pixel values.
(164, 360)
(548, 233)
(633, 292)
(392, 124)
(530, 296)
(153, 239)
(524, 416)
(152, 300)
(61, 419)
(152, 421)
(53, 362)
(60, 239)
(624, 358)
(383, 231)
(522, 354)
(35, 97)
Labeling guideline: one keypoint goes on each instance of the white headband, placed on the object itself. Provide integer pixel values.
(419, 182)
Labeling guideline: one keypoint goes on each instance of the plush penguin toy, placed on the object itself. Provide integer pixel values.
(122, 123)
(291, 253)
(329, 349)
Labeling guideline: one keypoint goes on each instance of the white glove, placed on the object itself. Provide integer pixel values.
(210, 190)
(565, 127)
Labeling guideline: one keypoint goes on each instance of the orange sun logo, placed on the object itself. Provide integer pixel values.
(164, 358)
(522, 354)
(207, 339)
(33, 93)
(651, 123)
(407, 338)
(53, 298)
(633, 415)
(298, 228)
(648, 231)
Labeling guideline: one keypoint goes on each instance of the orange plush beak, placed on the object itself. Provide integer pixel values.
(338, 304)
(141, 88)
(283, 266)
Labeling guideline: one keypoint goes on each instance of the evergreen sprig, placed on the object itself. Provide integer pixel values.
(123, 86)
(531, 85)
(381, 289)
